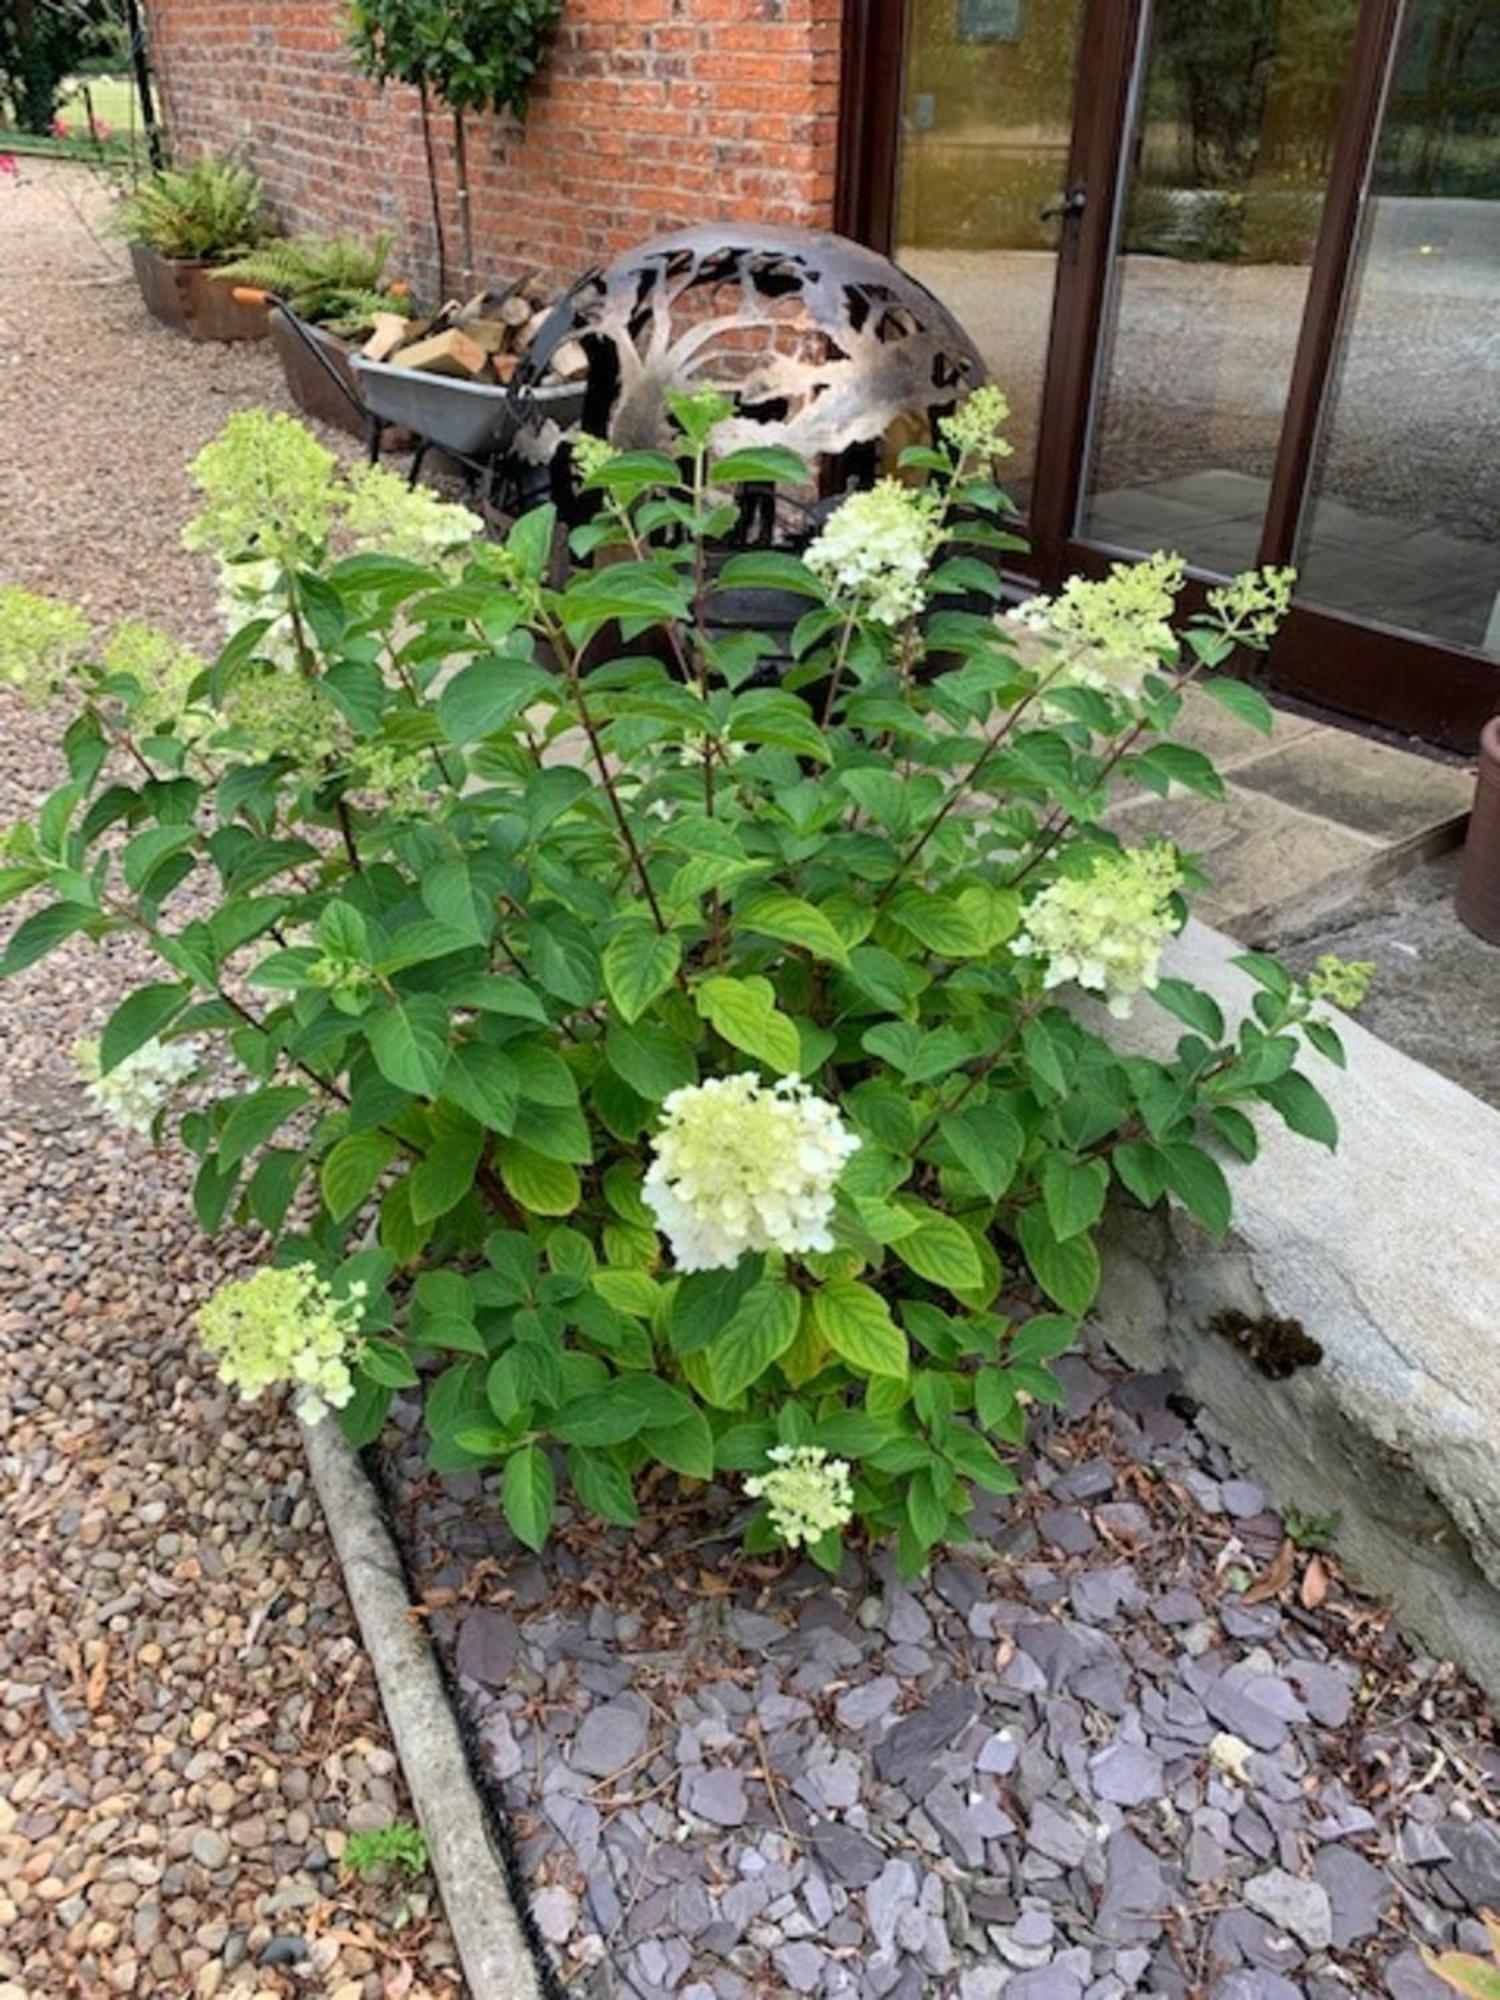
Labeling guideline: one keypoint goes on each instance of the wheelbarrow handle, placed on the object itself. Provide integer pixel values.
(250, 295)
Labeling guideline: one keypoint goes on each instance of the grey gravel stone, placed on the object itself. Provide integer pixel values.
(556, 1911)
(905, 1756)
(488, 1643)
(848, 1856)
(1254, 1706)
(999, 1754)
(1293, 1904)
(1049, 1982)
(893, 1891)
(1137, 1891)
(996, 1776)
(1407, 1978)
(1358, 1892)
(1127, 1774)
(858, 1707)
(612, 1735)
(1057, 1835)
(1475, 1868)
(717, 1795)
(801, 1965)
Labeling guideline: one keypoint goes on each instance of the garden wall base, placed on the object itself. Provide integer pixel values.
(1387, 1253)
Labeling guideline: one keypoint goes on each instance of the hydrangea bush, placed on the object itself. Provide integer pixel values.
(662, 1055)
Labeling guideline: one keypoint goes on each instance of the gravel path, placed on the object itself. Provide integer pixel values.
(188, 1727)
(1133, 1741)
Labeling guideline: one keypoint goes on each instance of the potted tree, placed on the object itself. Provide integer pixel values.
(325, 293)
(182, 224)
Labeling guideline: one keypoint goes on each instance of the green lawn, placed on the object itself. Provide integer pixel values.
(115, 106)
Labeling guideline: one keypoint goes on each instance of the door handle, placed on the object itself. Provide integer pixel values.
(1069, 206)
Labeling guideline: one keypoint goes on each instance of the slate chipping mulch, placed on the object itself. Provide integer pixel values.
(1077, 1762)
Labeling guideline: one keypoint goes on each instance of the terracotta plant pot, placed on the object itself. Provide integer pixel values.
(184, 294)
(309, 382)
(1478, 896)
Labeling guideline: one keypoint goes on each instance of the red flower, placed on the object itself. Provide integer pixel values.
(60, 128)
(9, 164)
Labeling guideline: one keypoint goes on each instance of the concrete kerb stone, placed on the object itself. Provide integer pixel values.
(490, 1932)
(1387, 1253)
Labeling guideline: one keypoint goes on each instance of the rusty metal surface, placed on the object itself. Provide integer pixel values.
(823, 343)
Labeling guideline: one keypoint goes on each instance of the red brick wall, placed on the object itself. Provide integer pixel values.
(648, 114)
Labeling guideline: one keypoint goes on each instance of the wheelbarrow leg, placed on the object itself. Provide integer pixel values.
(416, 461)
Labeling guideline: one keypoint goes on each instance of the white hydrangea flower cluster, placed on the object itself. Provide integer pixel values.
(740, 1166)
(876, 548)
(1105, 930)
(1109, 632)
(254, 589)
(806, 1492)
(135, 1090)
(284, 1325)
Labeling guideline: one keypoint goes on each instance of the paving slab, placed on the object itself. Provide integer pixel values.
(1372, 788)
(1261, 856)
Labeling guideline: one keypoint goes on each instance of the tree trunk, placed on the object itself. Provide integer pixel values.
(436, 193)
(465, 213)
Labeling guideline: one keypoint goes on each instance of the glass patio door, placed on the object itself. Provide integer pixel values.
(1237, 265)
(1401, 524)
(1226, 168)
(988, 90)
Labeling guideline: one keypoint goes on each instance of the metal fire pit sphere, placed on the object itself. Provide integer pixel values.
(824, 344)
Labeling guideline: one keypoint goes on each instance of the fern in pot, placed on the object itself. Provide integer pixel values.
(325, 293)
(181, 224)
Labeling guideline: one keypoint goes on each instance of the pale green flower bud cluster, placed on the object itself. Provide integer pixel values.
(269, 487)
(393, 777)
(1105, 930)
(1342, 982)
(136, 1090)
(744, 1166)
(284, 1325)
(381, 513)
(41, 641)
(975, 430)
(807, 1493)
(346, 982)
(279, 712)
(1254, 603)
(163, 671)
(591, 454)
(876, 549)
(1109, 632)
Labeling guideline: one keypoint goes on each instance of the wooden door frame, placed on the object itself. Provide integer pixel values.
(1396, 678)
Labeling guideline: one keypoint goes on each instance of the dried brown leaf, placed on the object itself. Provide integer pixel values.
(1275, 1579)
(1314, 1584)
